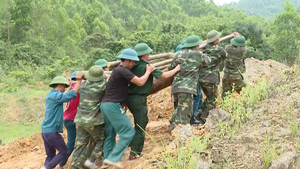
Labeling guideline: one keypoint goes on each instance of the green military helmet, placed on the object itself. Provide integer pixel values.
(59, 80)
(102, 63)
(239, 40)
(95, 74)
(142, 49)
(192, 41)
(129, 54)
(212, 36)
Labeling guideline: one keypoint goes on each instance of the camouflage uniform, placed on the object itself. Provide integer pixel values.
(234, 69)
(185, 83)
(209, 78)
(89, 123)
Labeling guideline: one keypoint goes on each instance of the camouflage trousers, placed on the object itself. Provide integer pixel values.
(88, 145)
(211, 92)
(184, 110)
(232, 83)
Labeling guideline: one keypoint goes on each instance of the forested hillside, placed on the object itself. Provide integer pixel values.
(266, 8)
(42, 38)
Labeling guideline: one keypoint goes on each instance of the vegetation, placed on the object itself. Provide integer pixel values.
(267, 8)
(40, 39)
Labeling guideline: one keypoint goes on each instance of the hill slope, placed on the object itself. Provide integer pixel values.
(266, 8)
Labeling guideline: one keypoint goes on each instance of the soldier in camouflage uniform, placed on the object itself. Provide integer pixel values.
(209, 78)
(234, 66)
(89, 120)
(185, 83)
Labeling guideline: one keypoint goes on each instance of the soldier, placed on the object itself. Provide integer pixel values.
(137, 97)
(104, 64)
(197, 98)
(89, 120)
(185, 84)
(209, 78)
(52, 125)
(116, 120)
(69, 116)
(234, 66)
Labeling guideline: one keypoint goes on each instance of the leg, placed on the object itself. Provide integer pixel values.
(185, 108)
(71, 130)
(211, 92)
(98, 134)
(56, 141)
(138, 107)
(238, 85)
(80, 154)
(110, 134)
(122, 125)
(226, 87)
(50, 151)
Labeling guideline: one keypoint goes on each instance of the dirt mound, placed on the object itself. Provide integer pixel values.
(256, 69)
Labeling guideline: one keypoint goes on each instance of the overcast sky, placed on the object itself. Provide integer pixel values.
(221, 2)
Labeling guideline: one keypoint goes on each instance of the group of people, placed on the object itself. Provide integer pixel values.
(200, 71)
(96, 101)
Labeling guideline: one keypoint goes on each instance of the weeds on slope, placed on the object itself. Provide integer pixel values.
(240, 108)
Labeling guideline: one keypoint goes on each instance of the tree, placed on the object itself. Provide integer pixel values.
(21, 18)
(286, 27)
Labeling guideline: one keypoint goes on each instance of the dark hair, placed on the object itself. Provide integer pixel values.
(190, 47)
(54, 86)
(123, 60)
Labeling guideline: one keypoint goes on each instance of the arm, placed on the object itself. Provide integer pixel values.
(140, 81)
(171, 72)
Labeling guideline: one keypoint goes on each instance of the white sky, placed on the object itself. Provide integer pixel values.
(221, 2)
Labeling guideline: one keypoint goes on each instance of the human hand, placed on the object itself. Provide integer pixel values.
(150, 68)
(178, 67)
(234, 34)
(79, 75)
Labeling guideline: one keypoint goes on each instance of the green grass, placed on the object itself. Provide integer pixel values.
(10, 132)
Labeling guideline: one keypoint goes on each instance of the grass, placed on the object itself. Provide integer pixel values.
(10, 132)
(241, 108)
(21, 112)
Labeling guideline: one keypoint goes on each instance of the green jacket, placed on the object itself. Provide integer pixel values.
(139, 70)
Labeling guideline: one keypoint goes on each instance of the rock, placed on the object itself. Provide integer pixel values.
(216, 155)
(215, 117)
(285, 161)
(249, 138)
(185, 132)
(203, 165)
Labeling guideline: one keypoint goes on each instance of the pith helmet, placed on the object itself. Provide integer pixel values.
(129, 54)
(95, 74)
(142, 49)
(192, 41)
(213, 35)
(73, 75)
(102, 63)
(59, 80)
(239, 40)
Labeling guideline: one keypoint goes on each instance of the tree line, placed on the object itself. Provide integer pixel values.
(40, 39)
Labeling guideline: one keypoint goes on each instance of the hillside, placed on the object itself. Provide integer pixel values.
(272, 125)
(266, 8)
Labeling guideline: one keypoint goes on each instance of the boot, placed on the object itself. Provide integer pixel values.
(194, 121)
